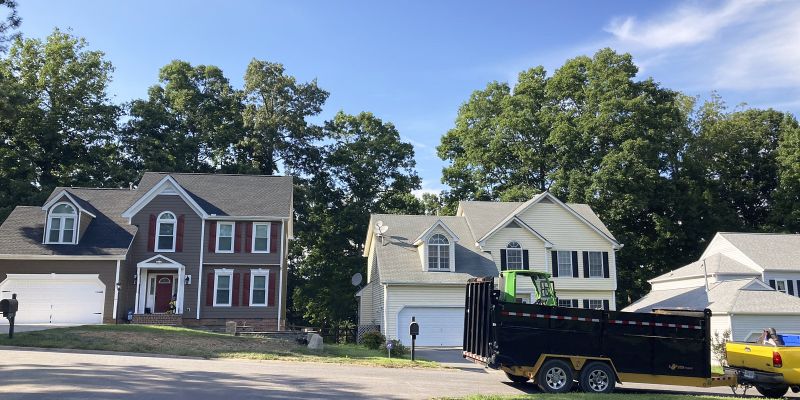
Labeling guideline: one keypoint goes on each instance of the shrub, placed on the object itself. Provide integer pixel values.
(718, 346)
(398, 350)
(373, 340)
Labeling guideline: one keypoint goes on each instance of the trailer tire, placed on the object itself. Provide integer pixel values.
(773, 392)
(555, 376)
(597, 377)
(517, 378)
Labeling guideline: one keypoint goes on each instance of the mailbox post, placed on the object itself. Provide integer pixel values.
(413, 329)
(9, 309)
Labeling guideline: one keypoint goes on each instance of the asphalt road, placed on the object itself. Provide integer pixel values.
(38, 374)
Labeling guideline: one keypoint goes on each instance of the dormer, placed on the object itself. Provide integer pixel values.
(436, 247)
(66, 219)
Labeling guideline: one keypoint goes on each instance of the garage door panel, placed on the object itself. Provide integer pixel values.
(438, 326)
(56, 298)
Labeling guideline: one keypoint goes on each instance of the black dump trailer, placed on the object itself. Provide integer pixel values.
(556, 346)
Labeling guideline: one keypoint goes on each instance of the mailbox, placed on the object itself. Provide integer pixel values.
(9, 307)
(413, 328)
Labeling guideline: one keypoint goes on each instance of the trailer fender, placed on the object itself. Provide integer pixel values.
(577, 363)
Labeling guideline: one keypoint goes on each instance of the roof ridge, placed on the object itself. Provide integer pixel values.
(218, 174)
(759, 233)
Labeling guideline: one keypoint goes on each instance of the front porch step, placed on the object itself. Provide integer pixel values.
(157, 319)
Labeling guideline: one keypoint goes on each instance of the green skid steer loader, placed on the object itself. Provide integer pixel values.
(545, 290)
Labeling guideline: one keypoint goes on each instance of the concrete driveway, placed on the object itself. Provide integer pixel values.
(42, 374)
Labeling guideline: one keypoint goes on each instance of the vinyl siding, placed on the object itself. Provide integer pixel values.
(526, 239)
(721, 245)
(682, 283)
(745, 325)
(189, 257)
(106, 269)
(719, 323)
(86, 219)
(366, 312)
(568, 233)
(240, 311)
(409, 296)
(242, 257)
(787, 276)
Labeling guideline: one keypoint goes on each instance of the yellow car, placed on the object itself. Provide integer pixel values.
(771, 369)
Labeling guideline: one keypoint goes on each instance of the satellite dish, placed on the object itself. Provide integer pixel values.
(380, 228)
(356, 279)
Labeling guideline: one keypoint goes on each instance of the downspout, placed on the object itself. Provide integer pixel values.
(200, 273)
(280, 274)
(116, 294)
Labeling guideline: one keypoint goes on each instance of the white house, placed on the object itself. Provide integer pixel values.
(748, 280)
(420, 265)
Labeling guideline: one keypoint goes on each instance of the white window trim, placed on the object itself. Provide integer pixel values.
(428, 247)
(233, 237)
(158, 233)
(269, 236)
(253, 274)
(75, 224)
(589, 267)
(508, 254)
(602, 307)
(217, 274)
(567, 300)
(558, 263)
(785, 286)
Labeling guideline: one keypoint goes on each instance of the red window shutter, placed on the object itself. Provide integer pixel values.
(274, 234)
(210, 289)
(246, 286)
(151, 234)
(271, 292)
(212, 236)
(235, 301)
(237, 238)
(179, 234)
(248, 242)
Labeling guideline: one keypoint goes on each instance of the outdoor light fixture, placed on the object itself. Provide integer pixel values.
(188, 280)
(135, 277)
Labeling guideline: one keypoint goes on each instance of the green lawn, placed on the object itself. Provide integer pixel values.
(189, 342)
(585, 396)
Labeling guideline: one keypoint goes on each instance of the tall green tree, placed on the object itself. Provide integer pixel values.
(9, 23)
(188, 123)
(277, 107)
(58, 125)
(365, 169)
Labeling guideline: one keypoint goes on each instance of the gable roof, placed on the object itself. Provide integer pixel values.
(716, 264)
(771, 251)
(232, 195)
(740, 296)
(422, 236)
(82, 205)
(108, 235)
(398, 258)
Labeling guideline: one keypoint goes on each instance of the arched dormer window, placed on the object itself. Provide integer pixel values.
(165, 231)
(514, 256)
(438, 252)
(61, 224)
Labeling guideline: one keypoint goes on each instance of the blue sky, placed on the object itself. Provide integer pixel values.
(415, 63)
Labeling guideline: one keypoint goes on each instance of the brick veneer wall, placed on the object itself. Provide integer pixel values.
(157, 319)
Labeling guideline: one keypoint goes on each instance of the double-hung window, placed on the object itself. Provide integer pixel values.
(258, 287)
(564, 303)
(596, 304)
(225, 237)
(780, 285)
(261, 233)
(595, 264)
(514, 256)
(564, 263)
(223, 287)
(61, 224)
(165, 231)
(438, 252)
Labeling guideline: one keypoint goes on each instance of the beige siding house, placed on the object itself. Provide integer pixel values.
(419, 266)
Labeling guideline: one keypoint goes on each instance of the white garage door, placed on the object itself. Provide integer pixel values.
(438, 326)
(56, 298)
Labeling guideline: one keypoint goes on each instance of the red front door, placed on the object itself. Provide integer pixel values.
(163, 292)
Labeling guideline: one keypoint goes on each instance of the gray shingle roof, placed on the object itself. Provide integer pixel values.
(398, 258)
(482, 216)
(742, 296)
(234, 195)
(771, 251)
(716, 264)
(108, 234)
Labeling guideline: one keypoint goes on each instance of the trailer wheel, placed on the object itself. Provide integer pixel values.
(517, 378)
(773, 392)
(555, 376)
(597, 377)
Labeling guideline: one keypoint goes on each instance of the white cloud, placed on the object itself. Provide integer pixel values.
(428, 187)
(686, 25)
